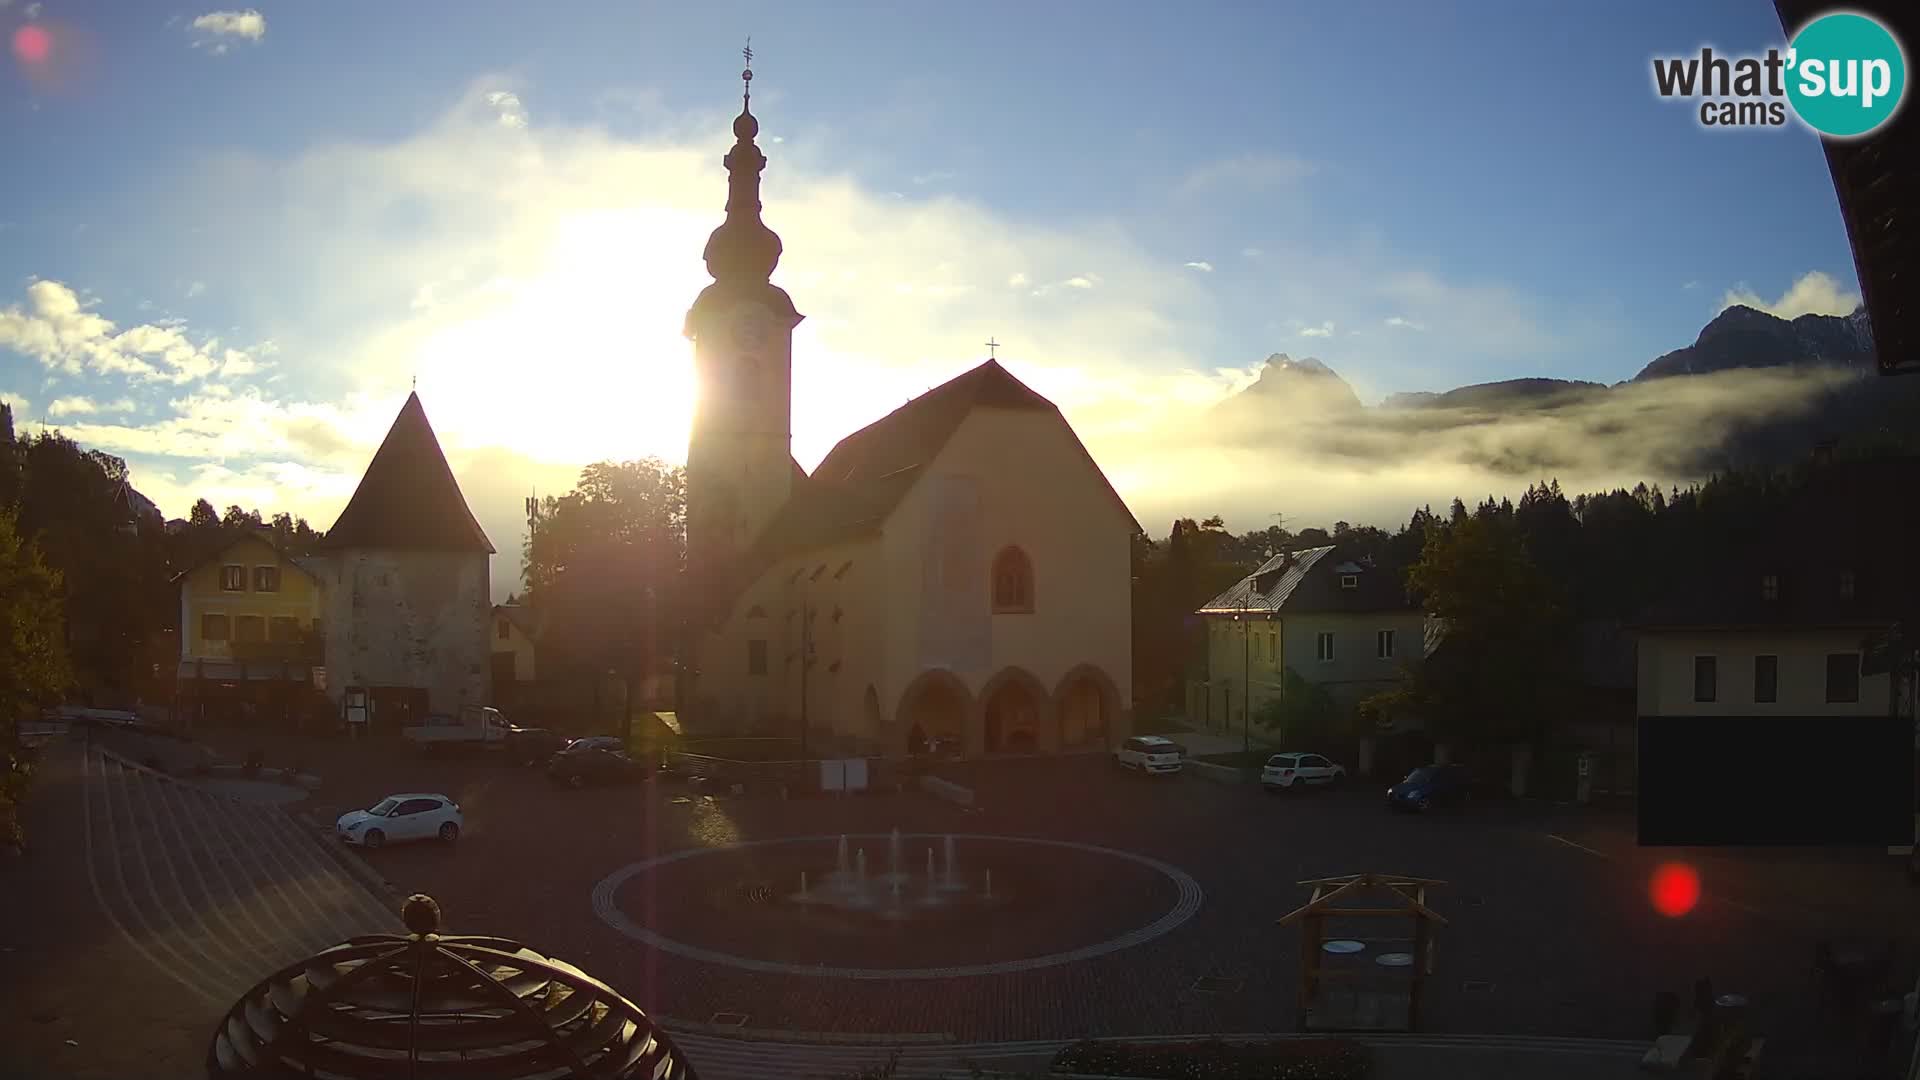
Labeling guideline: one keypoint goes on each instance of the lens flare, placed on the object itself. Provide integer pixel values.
(1675, 889)
(32, 44)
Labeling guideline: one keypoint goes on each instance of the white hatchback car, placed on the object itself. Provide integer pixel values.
(412, 816)
(1149, 754)
(1295, 772)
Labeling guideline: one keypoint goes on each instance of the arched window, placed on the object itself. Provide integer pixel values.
(1012, 582)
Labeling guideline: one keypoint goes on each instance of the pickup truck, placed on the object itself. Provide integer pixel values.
(479, 726)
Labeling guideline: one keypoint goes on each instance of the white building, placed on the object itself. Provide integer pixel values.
(406, 578)
(958, 568)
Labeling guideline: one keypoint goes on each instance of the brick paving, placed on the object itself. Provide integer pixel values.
(1555, 939)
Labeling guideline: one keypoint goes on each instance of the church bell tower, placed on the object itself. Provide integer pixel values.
(740, 456)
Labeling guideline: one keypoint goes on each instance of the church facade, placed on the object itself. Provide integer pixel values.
(958, 571)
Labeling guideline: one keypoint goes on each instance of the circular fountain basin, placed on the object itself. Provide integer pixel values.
(1007, 904)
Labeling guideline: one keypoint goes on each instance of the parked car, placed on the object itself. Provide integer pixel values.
(1149, 754)
(409, 816)
(1297, 772)
(1429, 786)
(596, 760)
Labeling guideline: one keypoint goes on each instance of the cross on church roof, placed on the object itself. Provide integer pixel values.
(991, 346)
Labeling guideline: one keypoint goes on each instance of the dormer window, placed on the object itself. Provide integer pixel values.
(1349, 581)
(1770, 586)
(1846, 584)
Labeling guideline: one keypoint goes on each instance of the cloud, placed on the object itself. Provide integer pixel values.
(1812, 293)
(1325, 329)
(248, 25)
(1691, 285)
(1202, 266)
(71, 406)
(1248, 172)
(196, 289)
(57, 328)
(32, 11)
(546, 269)
(1252, 252)
(1403, 324)
(507, 105)
(21, 405)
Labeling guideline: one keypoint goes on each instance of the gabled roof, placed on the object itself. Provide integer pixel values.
(408, 498)
(232, 540)
(1308, 581)
(867, 474)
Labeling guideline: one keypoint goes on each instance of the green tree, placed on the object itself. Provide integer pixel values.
(1304, 714)
(33, 661)
(1504, 651)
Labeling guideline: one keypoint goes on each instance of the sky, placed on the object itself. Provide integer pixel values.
(232, 239)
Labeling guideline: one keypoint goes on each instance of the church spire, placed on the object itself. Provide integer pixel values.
(743, 248)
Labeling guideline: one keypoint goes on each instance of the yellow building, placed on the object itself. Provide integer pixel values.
(249, 614)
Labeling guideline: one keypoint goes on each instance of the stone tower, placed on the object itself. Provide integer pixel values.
(740, 467)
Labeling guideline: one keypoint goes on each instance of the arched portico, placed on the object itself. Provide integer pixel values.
(1087, 708)
(936, 704)
(1013, 705)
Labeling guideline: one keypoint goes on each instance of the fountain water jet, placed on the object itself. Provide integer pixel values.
(803, 884)
(950, 881)
(841, 863)
(989, 884)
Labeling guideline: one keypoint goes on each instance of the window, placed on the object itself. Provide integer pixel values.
(1012, 583)
(283, 628)
(1273, 645)
(233, 578)
(501, 629)
(319, 628)
(1843, 677)
(1349, 581)
(249, 628)
(757, 656)
(1846, 584)
(1770, 586)
(1766, 679)
(1706, 678)
(1383, 644)
(213, 627)
(1323, 646)
(266, 579)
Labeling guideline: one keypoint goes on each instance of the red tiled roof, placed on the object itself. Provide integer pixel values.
(408, 498)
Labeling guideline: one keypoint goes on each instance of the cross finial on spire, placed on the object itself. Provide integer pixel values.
(746, 75)
(991, 346)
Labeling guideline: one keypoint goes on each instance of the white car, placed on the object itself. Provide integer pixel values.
(1149, 754)
(412, 816)
(1295, 772)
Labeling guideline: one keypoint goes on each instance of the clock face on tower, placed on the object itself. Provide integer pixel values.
(753, 328)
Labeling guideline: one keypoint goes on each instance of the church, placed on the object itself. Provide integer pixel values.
(956, 573)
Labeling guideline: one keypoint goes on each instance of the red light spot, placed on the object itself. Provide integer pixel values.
(1675, 889)
(32, 44)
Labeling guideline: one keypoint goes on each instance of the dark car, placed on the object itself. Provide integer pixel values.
(1429, 786)
(594, 761)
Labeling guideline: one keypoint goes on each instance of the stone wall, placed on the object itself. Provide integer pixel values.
(409, 618)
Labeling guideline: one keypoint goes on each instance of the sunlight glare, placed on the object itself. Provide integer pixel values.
(32, 44)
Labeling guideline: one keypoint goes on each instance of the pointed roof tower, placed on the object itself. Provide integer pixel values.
(408, 498)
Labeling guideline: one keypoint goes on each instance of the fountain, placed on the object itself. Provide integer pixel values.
(848, 887)
(930, 877)
(989, 892)
(803, 886)
(840, 864)
(950, 879)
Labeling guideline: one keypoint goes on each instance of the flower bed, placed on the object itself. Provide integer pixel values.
(1214, 1059)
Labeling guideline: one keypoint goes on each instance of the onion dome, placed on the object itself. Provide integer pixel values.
(743, 248)
(421, 1005)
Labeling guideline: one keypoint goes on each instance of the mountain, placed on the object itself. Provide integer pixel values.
(1286, 382)
(1507, 394)
(1741, 337)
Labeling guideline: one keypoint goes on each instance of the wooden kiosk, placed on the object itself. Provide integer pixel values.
(1354, 977)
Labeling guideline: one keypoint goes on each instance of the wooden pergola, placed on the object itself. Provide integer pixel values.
(1351, 990)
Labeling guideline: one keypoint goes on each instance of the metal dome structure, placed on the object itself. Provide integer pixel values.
(419, 1005)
